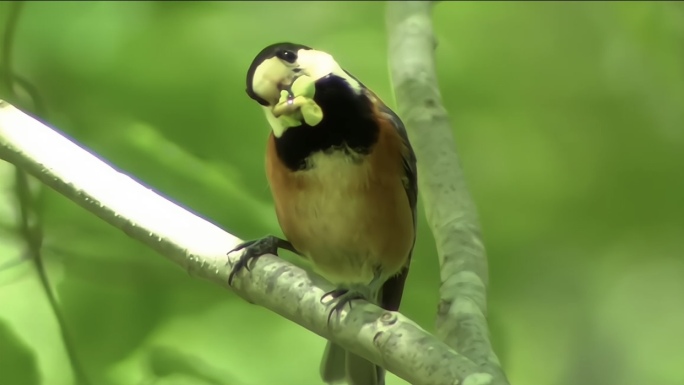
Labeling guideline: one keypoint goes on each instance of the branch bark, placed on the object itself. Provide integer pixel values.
(385, 338)
(450, 211)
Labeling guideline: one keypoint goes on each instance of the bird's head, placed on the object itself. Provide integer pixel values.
(277, 65)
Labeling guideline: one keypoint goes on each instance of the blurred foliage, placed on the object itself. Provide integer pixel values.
(569, 119)
(18, 361)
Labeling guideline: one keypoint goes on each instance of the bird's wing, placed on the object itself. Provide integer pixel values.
(392, 290)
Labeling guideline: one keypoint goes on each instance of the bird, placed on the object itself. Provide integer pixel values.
(344, 189)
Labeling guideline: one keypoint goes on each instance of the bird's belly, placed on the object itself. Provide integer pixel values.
(349, 221)
(334, 235)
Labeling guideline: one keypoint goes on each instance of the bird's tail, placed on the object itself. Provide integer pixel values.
(342, 366)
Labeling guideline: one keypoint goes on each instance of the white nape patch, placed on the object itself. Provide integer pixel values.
(268, 76)
(318, 64)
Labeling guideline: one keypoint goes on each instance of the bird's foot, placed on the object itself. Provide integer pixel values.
(254, 249)
(342, 297)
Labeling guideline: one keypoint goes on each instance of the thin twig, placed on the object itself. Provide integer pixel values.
(31, 227)
(31, 230)
(8, 40)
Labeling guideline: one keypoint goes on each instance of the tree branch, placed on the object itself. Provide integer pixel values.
(385, 338)
(451, 213)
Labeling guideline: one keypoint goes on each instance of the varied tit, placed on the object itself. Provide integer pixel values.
(345, 189)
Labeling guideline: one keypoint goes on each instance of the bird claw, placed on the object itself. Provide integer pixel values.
(253, 250)
(341, 297)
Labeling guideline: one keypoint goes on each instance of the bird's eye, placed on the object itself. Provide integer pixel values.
(287, 56)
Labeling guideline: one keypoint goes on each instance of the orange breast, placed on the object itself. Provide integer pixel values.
(348, 217)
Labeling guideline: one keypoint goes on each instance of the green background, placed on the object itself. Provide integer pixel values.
(569, 122)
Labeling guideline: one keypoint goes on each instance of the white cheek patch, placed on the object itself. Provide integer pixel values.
(318, 64)
(267, 76)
